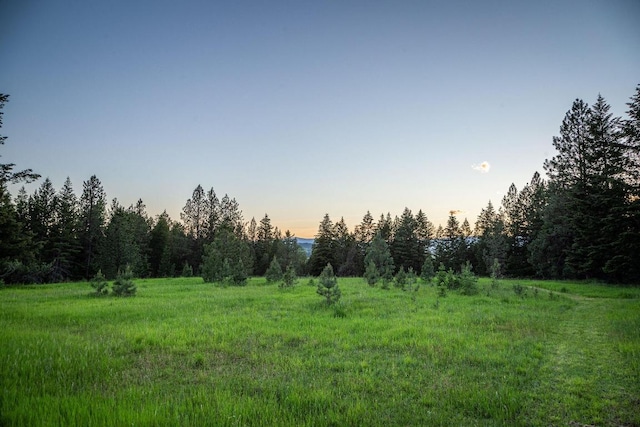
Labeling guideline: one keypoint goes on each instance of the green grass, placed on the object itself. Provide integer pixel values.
(183, 352)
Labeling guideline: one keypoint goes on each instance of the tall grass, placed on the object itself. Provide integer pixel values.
(183, 352)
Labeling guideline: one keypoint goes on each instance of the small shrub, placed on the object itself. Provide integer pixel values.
(123, 286)
(441, 279)
(289, 278)
(371, 274)
(187, 270)
(468, 281)
(412, 281)
(328, 286)
(520, 290)
(564, 290)
(234, 274)
(311, 282)
(495, 273)
(427, 273)
(274, 272)
(401, 278)
(99, 284)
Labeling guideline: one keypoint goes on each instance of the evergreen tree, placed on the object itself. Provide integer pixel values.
(264, 245)
(15, 244)
(123, 286)
(624, 262)
(322, 251)
(451, 248)
(371, 274)
(427, 273)
(227, 259)
(289, 277)
(425, 232)
(589, 188)
(194, 215)
(125, 244)
(64, 240)
(406, 248)
(92, 220)
(345, 250)
(328, 286)
(363, 235)
(385, 228)
(160, 247)
(379, 255)
(99, 284)
(274, 272)
(492, 242)
(42, 218)
(212, 215)
(231, 216)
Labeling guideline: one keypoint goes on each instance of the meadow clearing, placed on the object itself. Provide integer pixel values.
(182, 352)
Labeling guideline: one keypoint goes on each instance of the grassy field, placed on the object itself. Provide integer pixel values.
(183, 352)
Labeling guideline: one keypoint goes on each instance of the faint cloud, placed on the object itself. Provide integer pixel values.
(482, 167)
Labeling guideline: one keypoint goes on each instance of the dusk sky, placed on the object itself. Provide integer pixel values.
(298, 109)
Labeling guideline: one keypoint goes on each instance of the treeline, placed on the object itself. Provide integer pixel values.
(57, 236)
(583, 221)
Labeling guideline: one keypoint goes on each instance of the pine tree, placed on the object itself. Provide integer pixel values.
(92, 219)
(328, 286)
(99, 284)
(406, 247)
(492, 241)
(274, 272)
(264, 246)
(160, 247)
(371, 274)
(379, 254)
(123, 286)
(427, 273)
(15, 244)
(289, 278)
(623, 264)
(322, 252)
(227, 259)
(65, 244)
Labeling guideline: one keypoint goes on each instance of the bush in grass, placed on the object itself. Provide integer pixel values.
(235, 274)
(328, 286)
(468, 281)
(187, 270)
(289, 278)
(401, 278)
(520, 290)
(99, 284)
(371, 274)
(274, 272)
(412, 281)
(123, 286)
(495, 273)
(427, 272)
(441, 279)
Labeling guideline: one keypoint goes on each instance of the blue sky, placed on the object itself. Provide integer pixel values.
(298, 109)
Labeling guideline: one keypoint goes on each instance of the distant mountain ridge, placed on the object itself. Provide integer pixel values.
(306, 244)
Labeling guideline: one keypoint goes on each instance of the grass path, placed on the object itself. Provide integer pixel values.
(590, 375)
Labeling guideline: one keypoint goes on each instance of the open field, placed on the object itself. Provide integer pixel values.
(183, 352)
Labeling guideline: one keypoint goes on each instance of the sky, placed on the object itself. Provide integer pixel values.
(302, 108)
